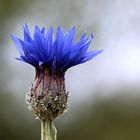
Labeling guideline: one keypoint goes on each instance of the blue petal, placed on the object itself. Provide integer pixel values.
(91, 55)
(30, 59)
(27, 36)
(48, 44)
(17, 44)
(69, 41)
(58, 44)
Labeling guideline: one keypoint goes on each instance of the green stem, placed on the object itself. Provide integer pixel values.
(48, 130)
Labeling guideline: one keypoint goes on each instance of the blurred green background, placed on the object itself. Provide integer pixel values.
(104, 102)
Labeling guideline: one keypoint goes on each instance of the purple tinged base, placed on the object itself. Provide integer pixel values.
(47, 98)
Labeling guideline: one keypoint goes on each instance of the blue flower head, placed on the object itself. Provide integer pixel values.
(56, 53)
(51, 56)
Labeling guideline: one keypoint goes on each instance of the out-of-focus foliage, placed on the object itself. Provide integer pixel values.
(13, 122)
(9, 9)
(117, 118)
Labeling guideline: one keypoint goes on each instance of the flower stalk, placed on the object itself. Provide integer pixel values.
(48, 130)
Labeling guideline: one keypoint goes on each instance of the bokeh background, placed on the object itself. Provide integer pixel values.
(104, 101)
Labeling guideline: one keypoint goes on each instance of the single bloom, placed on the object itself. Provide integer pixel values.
(51, 56)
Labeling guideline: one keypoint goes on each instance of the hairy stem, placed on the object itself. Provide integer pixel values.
(48, 130)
